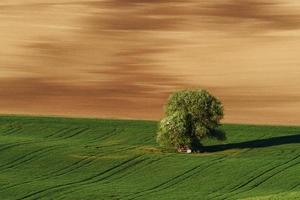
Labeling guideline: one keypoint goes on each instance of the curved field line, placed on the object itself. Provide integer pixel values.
(109, 134)
(13, 131)
(5, 146)
(213, 196)
(33, 157)
(82, 130)
(123, 176)
(67, 167)
(75, 166)
(294, 187)
(151, 162)
(79, 182)
(239, 185)
(20, 158)
(69, 190)
(6, 129)
(271, 176)
(9, 130)
(106, 133)
(257, 177)
(81, 185)
(275, 174)
(62, 131)
(11, 145)
(69, 131)
(114, 179)
(26, 158)
(56, 132)
(82, 163)
(219, 195)
(175, 180)
(86, 179)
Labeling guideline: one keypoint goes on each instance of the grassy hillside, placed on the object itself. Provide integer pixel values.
(57, 158)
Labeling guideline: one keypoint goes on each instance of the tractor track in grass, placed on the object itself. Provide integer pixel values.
(9, 131)
(71, 190)
(6, 129)
(213, 196)
(102, 136)
(9, 146)
(27, 158)
(63, 171)
(217, 196)
(177, 179)
(12, 145)
(151, 162)
(108, 135)
(55, 132)
(78, 170)
(294, 187)
(275, 174)
(58, 133)
(75, 166)
(68, 132)
(92, 179)
(261, 175)
(13, 131)
(82, 130)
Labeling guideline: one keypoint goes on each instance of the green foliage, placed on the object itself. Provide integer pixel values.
(190, 116)
(174, 131)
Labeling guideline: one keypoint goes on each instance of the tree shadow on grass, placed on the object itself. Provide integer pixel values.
(260, 143)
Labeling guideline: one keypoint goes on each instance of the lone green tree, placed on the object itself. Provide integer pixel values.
(190, 116)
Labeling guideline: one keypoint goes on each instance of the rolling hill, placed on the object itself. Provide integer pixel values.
(60, 158)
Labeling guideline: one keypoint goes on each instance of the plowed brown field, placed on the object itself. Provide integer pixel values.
(121, 58)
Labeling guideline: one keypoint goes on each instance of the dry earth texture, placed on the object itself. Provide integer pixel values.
(121, 58)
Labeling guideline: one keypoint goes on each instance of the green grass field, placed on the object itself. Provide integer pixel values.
(58, 158)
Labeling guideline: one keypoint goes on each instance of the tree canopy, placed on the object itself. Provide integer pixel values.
(190, 116)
